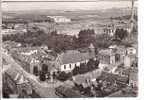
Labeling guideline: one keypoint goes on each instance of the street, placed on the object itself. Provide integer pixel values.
(43, 90)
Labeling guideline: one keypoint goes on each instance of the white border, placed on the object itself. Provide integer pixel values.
(140, 62)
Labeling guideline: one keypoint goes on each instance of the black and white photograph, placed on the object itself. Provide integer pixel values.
(69, 48)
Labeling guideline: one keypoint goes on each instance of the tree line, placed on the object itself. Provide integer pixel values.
(61, 42)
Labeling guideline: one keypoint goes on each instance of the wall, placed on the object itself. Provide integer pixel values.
(69, 67)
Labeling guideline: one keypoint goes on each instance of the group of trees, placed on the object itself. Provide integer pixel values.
(61, 42)
(42, 73)
(58, 42)
(121, 34)
(84, 68)
(63, 76)
(85, 37)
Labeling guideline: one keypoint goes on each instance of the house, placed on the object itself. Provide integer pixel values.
(131, 55)
(112, 78)
(16, 83)
(106, 57)
(8, 45)
(33, 57)
(133, 77)
(9, 31)
(112, 56)
(109, 29)
(91, 76)
(68, 60)
(67, 92)
(60, 19)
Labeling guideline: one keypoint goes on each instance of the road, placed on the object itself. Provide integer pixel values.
(43, 90)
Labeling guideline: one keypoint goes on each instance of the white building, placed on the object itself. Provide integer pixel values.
(60, 19)
(130, 56)
(70, 59)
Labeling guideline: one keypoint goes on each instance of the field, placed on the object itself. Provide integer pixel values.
(80, 19)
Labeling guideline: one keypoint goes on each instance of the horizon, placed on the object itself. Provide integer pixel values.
(100, 5)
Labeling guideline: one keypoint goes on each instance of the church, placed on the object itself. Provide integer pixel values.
(70, 59)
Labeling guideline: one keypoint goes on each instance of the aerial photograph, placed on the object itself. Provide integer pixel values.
(69, 49)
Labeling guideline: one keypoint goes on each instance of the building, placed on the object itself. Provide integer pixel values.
(68, 60)
(60, 19)
(15, 84)
(8, 45)
(9, 31)
(91, 76)
(33, 57)
(133, 79)
(109, 29)
(112, 78)
(106, 58)
(112, 56)
(67, 92)
(131, 55)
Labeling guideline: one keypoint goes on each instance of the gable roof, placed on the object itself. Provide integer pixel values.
(16, 76)
(105, 52)
(79, 79)
(68, 92)
(73, 56)
(113, 77)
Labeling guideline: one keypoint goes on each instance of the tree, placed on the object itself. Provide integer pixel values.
(44, 68)
(42, 76)
(75, 71)
(121, 34)
(97, 63)
(64, 76)
(83, 68)
(35, 70)
(85, 37)
(92, 64)
(23, 94)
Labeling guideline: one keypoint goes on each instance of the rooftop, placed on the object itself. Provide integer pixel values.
(16, 76)
(113, 77)
(105, 52)
(73, 56)
(79, 79)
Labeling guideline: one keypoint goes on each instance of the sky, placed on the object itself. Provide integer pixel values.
(100, 4)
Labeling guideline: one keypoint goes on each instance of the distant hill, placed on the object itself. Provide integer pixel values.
(73, 14)
(126, 17)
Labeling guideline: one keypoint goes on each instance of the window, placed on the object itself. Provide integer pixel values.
(70, 66)
(35, 70)
(117, 57)
(64, 66)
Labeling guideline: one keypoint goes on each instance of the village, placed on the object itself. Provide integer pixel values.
(102, 73)
(44, 62)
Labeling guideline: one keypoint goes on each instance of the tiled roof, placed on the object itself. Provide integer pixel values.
(110, 76)
(68, 92)
(21, 54)
(16, 76)
(134, 76)
(79, 79)
(105, 52)
(73, 56)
